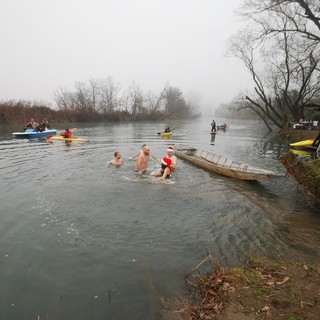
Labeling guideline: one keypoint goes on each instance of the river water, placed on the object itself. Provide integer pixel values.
(82, 240)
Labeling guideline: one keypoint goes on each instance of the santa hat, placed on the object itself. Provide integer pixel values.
(166, 161)
(170, 149)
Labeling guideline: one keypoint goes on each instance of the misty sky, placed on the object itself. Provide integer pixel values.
(46, 45)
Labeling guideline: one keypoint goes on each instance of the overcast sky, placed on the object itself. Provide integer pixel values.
(50, 44)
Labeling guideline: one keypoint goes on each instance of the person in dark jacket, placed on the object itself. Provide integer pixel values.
(213, 126)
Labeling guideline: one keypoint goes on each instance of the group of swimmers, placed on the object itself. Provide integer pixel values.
(168, 163)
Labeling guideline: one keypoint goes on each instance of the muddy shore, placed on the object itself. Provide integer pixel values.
(305, 173)
(264, 289)
(298, 135)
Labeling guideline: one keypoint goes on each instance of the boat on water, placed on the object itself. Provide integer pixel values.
(166, 134)
(213, 133)
(303, 143)
(222, 126)
(60, 138)
(34, 134)
(222, 165)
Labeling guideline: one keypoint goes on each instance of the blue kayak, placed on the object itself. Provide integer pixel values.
(34, 134)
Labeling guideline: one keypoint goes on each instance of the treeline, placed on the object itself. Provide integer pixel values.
(13, 112)
(102, 100)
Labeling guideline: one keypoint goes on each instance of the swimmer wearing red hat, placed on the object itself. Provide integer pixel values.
(173, 158)
(166, 169)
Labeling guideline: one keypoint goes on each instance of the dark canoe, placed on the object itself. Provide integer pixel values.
(222, 165)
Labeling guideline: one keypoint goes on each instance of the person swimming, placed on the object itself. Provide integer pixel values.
(165, 171)
(140, 151)
(117, 161)
(142, 160)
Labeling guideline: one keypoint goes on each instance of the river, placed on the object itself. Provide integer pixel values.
(82, 240)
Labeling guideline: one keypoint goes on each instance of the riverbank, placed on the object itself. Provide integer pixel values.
(298, 135)
(264, 289)
(305, 173)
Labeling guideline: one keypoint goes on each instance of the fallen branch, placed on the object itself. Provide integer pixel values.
(208, 257)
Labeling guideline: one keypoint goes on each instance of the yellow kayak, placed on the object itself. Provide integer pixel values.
(166, 134)
(68, 139)
(301, 152)
(303, 143)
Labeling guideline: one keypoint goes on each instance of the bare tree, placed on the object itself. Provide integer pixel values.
(64, 99)
(309, 11)
(154, 102)
(103, 99)
(93, 93)
(82, 96)
(108, 97)
(284, 65)
(135, 99)
(303, 16)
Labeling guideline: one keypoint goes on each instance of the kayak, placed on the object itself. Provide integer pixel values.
(67, 139)
(301, 152)
(34, 134)
(213, 133)
(303, 143)
(166, 134)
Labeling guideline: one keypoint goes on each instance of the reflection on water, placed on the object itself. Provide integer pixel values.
(212, 139)
(303, 228)
(82, 240)
(304, 154)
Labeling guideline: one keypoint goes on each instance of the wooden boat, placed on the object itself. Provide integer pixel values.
(34, 134)
(222, 165)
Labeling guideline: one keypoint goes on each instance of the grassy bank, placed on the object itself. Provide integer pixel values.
(264, 289)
